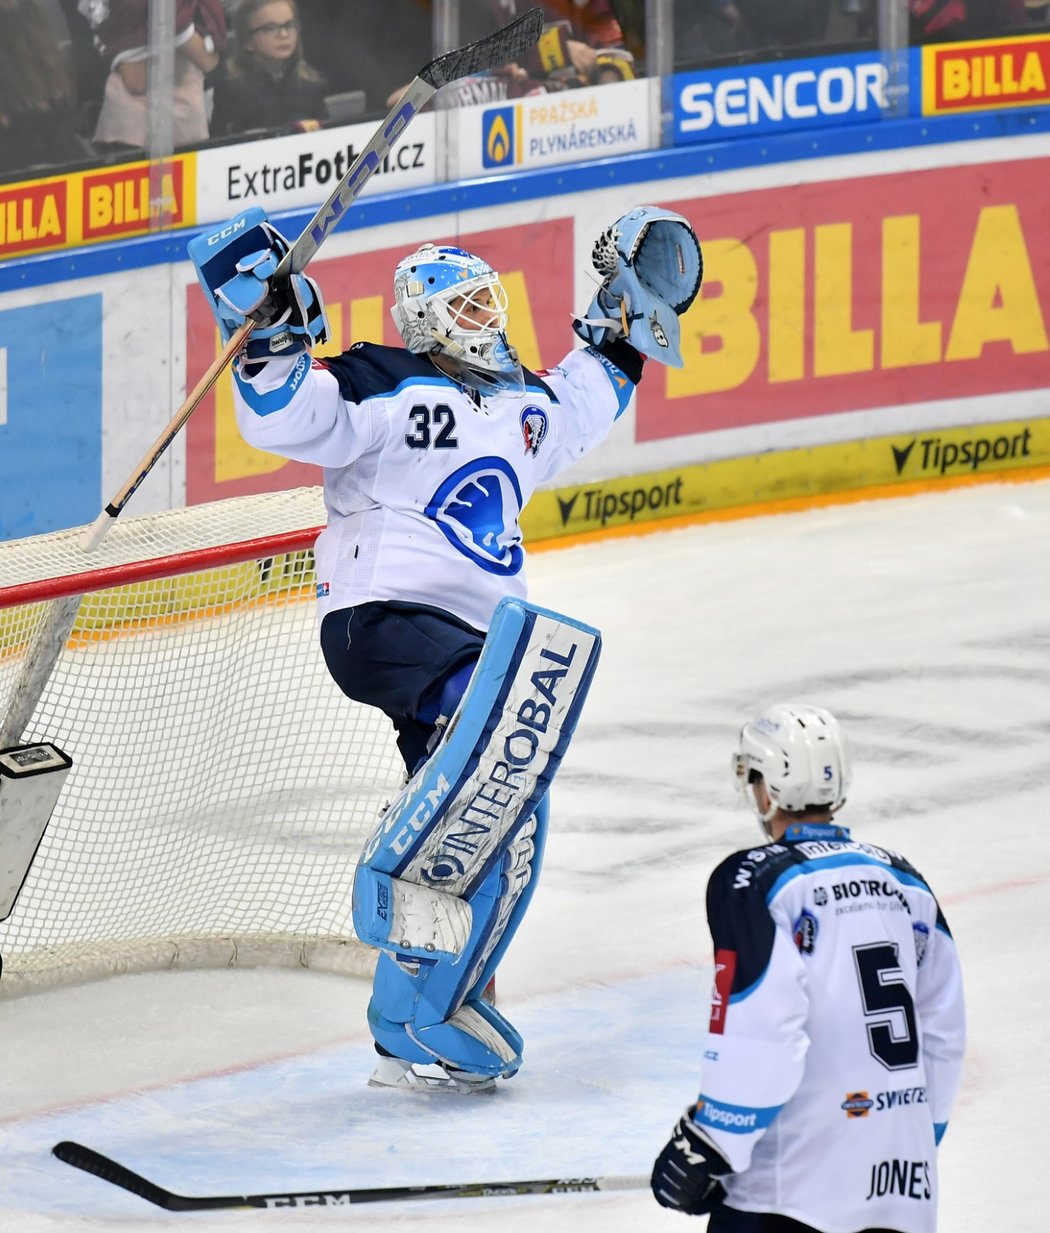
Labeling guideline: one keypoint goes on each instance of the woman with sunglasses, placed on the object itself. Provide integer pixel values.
(267, 84)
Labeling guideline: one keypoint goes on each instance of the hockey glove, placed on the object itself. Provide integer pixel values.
(652, 268)
(235, 266)
(687, 1172)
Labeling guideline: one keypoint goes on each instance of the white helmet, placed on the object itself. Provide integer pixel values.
(426, 283)
(800, 752)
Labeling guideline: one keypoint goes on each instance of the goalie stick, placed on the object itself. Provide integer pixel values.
(108, 1170)
(508, 43)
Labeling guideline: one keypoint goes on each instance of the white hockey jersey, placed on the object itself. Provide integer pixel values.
(835, 1044)
(424, 482)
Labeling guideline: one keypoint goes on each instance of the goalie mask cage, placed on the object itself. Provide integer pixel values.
(222, 785)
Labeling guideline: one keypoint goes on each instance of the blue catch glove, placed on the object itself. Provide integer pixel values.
(687, 1172)
(652, 268)
(235, 265)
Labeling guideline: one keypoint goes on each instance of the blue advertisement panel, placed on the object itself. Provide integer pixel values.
(50, 415)
(781, 97)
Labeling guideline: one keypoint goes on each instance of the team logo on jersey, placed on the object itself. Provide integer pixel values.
(323, 590)
(805, 933)
(725, 970)
(477, 510)
(534, 425)
(857, 1104)
(820, 896)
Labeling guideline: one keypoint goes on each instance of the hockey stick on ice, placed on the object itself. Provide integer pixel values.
(90, 1161)
(508, 43)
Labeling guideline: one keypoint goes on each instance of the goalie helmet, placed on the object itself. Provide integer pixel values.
(800, 752)
(450, 302)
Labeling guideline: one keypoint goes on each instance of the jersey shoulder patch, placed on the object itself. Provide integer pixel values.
(369, 370)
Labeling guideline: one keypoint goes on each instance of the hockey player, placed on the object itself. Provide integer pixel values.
(430, 453)
(835, 1043)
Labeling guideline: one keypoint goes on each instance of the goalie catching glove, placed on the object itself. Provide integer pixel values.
(651, 268)
(235, 265)
(687, 1173)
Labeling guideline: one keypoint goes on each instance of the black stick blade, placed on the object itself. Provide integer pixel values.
(90, 1161)
(509, 43)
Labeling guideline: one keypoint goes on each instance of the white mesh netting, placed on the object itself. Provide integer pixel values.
(222, 785)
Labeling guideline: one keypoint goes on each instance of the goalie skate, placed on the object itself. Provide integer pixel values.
(420, 1077)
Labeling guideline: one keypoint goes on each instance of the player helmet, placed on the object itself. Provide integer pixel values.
(801, 754)
(438, 291)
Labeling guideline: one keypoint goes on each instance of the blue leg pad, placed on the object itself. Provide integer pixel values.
(476, 1038)
(471, 825)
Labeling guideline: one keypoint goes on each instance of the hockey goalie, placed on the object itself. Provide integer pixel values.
(430, 452)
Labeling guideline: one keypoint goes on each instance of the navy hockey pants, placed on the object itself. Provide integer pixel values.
(396, 656)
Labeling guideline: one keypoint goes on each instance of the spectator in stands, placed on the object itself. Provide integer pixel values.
(121, 29)
(612, 64)
(38, 115)
(943, 21)
(779, 24)
(266, 82)
(573, 34)
(707, 29)
(370, 45)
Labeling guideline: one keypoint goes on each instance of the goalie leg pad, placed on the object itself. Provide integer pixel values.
(451, 824)
(433, 1010)
(419, 921)
(476, 1039)
(471, 823)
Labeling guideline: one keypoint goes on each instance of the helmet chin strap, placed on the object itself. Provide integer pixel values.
(764, 819)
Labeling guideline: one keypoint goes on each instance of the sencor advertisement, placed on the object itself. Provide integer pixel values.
(830, 91)
(754, 99)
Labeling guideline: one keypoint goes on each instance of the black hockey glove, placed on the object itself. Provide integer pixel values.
(687, 1172)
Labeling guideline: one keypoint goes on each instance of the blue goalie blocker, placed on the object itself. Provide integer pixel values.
(447, 875)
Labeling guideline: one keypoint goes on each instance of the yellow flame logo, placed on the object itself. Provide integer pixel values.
(498, 141)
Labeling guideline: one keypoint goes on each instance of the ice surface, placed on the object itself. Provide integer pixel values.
(921, 622)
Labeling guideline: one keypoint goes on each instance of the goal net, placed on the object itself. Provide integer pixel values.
(222, 785)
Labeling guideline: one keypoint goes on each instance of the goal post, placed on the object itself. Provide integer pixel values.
(222, 785)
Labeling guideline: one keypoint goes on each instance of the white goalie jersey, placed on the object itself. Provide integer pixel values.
(835, 1044)
(424, 482)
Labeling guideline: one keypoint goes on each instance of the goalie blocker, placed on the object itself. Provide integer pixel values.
(448, 873)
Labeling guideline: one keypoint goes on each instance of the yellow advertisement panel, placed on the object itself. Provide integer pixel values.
(901, 462)
(985, 75)
(106, 203)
